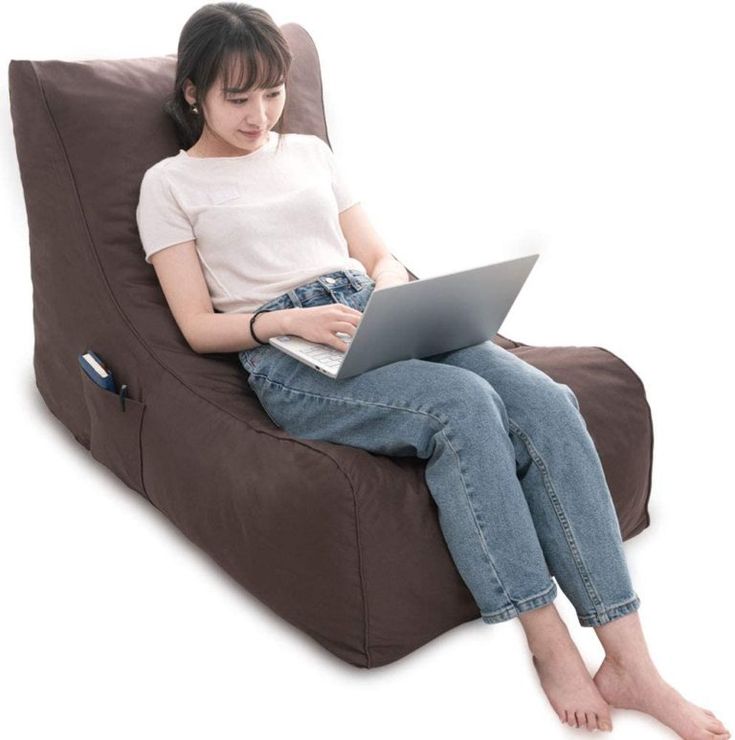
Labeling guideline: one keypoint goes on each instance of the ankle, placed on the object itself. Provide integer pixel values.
(551, 644)
(628, 660)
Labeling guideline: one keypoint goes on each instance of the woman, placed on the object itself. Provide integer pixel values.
(261, 225)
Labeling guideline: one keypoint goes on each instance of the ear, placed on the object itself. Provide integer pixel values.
(189, 90)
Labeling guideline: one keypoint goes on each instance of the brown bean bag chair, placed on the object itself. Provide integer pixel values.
(342, 543)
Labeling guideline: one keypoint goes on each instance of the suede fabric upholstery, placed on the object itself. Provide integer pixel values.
(341, 543)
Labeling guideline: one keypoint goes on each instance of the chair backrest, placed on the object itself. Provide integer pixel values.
(85, 133)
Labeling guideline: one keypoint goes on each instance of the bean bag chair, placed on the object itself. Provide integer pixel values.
(341, 543)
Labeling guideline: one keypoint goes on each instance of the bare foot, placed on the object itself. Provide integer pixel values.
(640, 686)
(569, 686)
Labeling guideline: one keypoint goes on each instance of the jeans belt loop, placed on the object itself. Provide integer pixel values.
(351, 277)
(294, 298)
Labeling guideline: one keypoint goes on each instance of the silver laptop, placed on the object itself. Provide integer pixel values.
(419, 319)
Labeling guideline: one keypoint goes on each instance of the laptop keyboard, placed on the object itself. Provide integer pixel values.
(326, 356)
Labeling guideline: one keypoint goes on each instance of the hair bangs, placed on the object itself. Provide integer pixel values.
(249, 68)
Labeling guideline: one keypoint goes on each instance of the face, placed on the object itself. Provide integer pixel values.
(230, 115)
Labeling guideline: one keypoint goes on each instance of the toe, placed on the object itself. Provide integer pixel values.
(591, 720)
(604, 723)
(579, 719)
(714, 725)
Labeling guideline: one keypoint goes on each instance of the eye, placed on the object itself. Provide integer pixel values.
(243, 100)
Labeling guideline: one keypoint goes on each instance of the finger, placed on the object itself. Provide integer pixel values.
(340, 343)
(350, 309)
(340, 315)
(345, 326)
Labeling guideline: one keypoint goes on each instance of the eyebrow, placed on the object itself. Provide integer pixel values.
(242, 89)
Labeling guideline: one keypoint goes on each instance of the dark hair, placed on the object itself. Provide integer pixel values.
(225, 38)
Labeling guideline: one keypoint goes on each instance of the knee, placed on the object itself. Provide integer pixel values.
(569, 394)
(459, 394)
(541, 403)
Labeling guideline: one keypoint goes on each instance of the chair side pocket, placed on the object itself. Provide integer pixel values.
(114, 433)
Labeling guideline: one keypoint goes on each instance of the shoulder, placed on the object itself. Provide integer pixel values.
(306, 150)
(160, 169)
(319, 144)
(305, 143)
(156, 186)
(163, 179)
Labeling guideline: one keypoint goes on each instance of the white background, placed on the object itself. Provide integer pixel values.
(599, 135)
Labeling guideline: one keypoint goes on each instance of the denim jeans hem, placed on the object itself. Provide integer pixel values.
(532, 602)
(607, 615)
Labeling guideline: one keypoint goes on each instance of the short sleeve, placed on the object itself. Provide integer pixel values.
(341, 184)
(161, 220)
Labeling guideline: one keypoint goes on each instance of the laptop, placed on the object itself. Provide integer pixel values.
(419, 319)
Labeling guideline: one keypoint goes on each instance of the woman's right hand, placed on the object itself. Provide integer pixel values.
(320, 324)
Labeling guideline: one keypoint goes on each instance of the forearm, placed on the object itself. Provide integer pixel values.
(389, 271)
(230, 332)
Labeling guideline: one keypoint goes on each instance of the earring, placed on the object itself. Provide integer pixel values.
(194, 108)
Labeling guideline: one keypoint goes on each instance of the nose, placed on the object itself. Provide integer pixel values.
(258, 119)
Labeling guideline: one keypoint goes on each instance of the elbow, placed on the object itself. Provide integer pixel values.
(194, 347)
(198, 332)
(192, 340)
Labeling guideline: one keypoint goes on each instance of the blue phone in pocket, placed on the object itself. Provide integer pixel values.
(97, 370)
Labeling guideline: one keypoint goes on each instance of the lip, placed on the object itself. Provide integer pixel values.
(252, 134)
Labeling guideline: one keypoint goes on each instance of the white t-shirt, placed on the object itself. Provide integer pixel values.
(263, 222)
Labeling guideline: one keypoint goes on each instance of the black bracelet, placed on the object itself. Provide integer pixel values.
(252, 319)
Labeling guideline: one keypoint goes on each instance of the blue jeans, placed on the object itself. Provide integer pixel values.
(519, 486)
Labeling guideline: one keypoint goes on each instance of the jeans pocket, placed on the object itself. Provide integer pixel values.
(259, 383)
(261, 359)
(246, 356)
